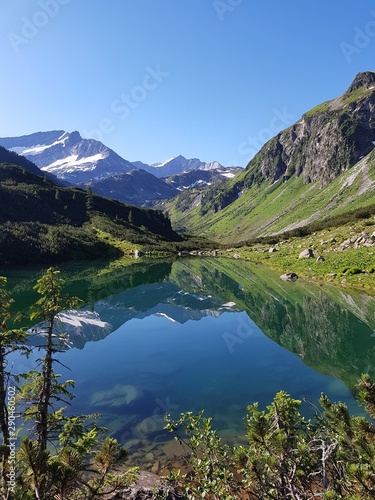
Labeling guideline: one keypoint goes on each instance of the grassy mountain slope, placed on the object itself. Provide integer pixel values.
(264, 210)
(40, 221)
(322, 165)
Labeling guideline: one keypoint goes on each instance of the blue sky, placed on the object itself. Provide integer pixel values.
(212, 79)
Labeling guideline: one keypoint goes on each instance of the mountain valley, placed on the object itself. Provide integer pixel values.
(313, 172)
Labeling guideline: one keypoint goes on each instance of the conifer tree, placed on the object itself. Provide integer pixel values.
(11, 340)
(81, 466)
(47, 308)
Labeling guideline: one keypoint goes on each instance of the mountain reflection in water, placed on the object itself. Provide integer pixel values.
(206, 333)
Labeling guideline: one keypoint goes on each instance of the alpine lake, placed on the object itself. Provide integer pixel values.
(170, 336)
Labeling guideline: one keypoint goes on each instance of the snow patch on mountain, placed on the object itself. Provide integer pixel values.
(20, 150)
(71, 163)
(68, 156)
(158, 165)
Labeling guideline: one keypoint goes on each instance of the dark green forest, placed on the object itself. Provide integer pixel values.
(48, 223)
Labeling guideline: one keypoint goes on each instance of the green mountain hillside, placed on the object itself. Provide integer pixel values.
(321, 166)
(42, 222)
(13, 158)
(7, 156)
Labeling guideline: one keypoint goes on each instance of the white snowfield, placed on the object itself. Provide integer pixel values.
(40, 148)
(158, 165)
(72, 163)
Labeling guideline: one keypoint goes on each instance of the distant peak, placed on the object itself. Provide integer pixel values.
(365, 79)
(163, 163)
(75, 136)
(71, 137)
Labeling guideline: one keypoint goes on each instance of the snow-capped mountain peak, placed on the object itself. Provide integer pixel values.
(80, 161)
(68, 156)
(193, 170)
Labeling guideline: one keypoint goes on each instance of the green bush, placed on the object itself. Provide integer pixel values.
(286, 455)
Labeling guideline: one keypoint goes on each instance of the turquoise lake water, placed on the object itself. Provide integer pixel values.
(203, 334)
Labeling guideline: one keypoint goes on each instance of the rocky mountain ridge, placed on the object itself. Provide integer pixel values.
(12, 158)
(322, 164)
(201, 177)
(177, 165)
(328, 140)
(84, 162)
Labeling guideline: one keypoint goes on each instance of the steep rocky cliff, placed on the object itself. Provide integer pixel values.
(328, 140)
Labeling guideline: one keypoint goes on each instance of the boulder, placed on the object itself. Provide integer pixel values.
(345, 244)
(148, 486)
(289, 277)
(320, 259)
(306, 254)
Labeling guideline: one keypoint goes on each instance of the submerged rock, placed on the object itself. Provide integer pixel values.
(118, 396)
(150, 425)
(132, 445)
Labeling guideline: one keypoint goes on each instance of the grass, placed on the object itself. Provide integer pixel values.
(320, 108)
(126, 247)
(356, 95)
(347, 98)
(351, 268)
(265, 210)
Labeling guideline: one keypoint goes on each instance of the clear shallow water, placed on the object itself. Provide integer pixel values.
(205, 334)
